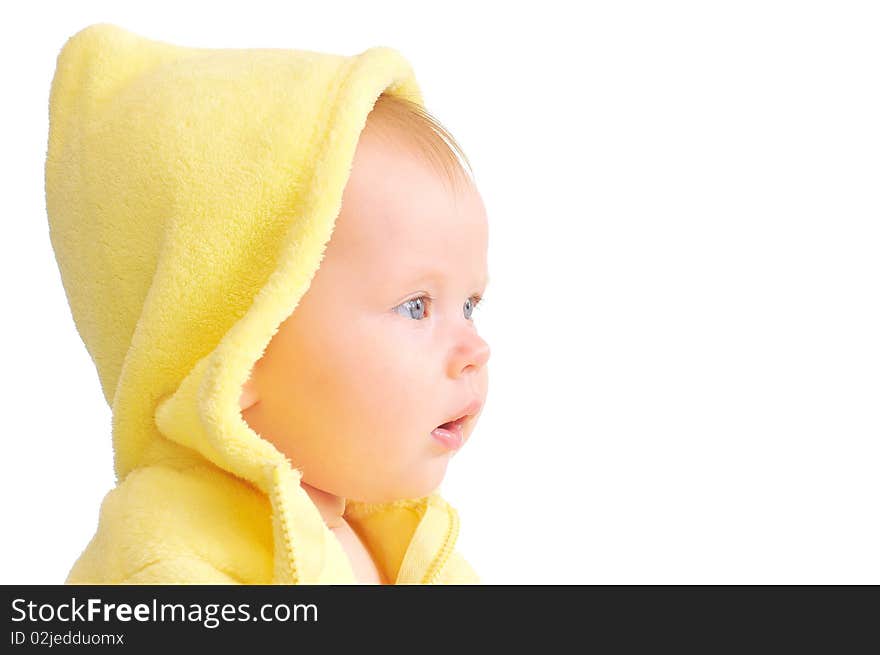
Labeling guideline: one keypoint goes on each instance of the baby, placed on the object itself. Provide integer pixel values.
(382, 349)
(274, 258)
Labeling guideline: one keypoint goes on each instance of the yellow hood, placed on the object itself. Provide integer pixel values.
(191, 193)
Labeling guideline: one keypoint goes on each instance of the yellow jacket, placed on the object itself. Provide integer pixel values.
(190, 195)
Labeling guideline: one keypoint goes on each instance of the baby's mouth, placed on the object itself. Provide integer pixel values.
(450, 434)
(452, 425)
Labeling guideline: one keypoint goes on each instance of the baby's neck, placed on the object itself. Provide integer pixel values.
(331, 507)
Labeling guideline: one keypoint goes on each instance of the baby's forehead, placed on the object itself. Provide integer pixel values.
(399, 216)
(392, 195)
(386, 247)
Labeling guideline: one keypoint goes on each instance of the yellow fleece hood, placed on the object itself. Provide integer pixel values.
(191, 193)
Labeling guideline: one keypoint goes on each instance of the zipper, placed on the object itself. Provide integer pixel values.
(289, 572)
(446, 549)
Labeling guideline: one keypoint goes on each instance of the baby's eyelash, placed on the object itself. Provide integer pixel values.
(477, 298)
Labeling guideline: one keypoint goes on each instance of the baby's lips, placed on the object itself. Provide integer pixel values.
(467, 412)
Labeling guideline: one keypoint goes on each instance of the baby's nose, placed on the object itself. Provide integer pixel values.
(472, 354)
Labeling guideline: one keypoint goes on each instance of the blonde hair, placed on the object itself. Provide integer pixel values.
(427, 136)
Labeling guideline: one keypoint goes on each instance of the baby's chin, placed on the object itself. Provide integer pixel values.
(412, 482)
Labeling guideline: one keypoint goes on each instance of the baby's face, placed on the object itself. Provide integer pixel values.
(356, 380)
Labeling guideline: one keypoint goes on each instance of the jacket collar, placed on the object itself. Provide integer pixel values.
(411, 539)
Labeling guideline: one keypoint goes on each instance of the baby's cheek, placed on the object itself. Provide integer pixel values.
(389, 378)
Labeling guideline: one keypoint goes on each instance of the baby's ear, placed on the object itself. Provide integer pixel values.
(249, 394)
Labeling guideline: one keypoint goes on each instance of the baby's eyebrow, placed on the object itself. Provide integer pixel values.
(438, 276)
(431, 275)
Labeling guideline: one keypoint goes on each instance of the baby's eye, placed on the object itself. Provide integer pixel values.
(416, 307)
(470, 305)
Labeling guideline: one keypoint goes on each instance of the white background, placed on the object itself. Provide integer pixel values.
(684, 205)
